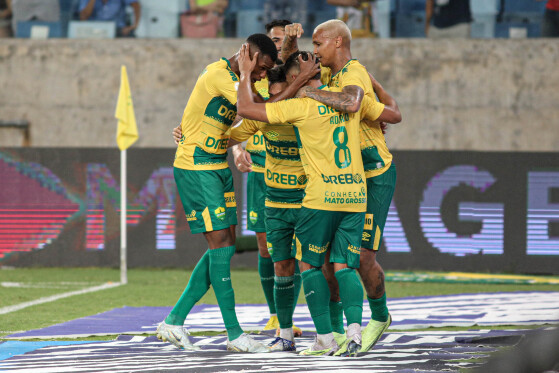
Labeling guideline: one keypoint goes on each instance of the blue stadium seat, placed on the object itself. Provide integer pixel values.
(250, 22)
(27, 29)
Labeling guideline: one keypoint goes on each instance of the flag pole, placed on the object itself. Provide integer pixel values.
(123, 230)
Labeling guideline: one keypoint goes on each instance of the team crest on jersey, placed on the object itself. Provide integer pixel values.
(270, 248)
(220, 213)
(272, 135)
(366, 236)
(191, 216)
(253, 216)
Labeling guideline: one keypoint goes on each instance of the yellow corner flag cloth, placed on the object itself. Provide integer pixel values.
(127, 131)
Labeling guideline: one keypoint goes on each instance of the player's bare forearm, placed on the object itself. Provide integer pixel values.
(246, 107)
(347, 101)
(289, 47)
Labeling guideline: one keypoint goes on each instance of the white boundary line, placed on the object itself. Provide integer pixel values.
(52, 298)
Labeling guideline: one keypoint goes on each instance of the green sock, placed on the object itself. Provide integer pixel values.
(351, 293)
(337, 317)
(318, 296)
(198, 285)
(220, 275)
(284, 297)
(379, 311)
(297, 282)
(266, 272)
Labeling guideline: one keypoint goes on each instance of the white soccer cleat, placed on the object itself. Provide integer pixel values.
(245, 343)
(175, 334)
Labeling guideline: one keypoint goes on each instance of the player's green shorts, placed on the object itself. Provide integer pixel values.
(280, 227)
(380, 190)
(256, 196)
(318, 231)
(208, 198)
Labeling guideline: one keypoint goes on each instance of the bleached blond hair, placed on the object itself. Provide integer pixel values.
(334, 28)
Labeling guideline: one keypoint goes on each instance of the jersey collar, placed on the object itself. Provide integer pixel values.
(347, 63)
(227, 61)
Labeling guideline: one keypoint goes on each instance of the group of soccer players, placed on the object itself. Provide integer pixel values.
(326, 177)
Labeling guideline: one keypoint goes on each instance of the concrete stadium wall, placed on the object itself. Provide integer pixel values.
(454, 95)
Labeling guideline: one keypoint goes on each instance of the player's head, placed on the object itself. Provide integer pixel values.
(276, 80)
(292, 67)
(267, 55)
(276, 31)
(328, 38)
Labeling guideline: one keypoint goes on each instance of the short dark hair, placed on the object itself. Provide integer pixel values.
(276, 75)
(293, 61)
(264, 44)
(277, 23)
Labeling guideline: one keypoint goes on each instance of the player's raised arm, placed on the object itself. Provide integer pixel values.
(246, 107)
(292, 32)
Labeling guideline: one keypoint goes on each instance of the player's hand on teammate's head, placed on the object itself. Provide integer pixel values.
(294, 30)
(309, 66)
(246, 64)
(177, 134)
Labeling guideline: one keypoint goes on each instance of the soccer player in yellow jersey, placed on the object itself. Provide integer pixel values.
(332, 214)
(285, 182)
(349, 84)
(256, 186)
(205, 187)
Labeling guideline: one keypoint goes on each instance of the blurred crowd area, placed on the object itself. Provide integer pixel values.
(42, 19)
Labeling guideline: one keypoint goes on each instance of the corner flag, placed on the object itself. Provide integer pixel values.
(127, 131)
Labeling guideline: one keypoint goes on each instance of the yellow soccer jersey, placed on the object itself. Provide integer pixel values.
(207, 119)
(329, 145)
(255, 145)
(376, 157)
(284, 174)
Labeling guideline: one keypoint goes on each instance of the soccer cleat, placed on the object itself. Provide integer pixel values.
(245, 343)
(175, 334)
(318, 349)
(297, 332)
(282, 344)
(272, 324)
(340, 338)
(372, 333)
(350, 347)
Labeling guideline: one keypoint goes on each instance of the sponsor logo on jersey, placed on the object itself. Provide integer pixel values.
(285, 179)
(366, 236)
(343, 179)
(220, 213)
(319, 249)
(224, 279)
(282, 150)
(302, 180)
(215, 144)
(326, 110)
(191, 216)
(253, 216)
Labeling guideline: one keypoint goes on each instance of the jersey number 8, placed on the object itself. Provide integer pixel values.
(342, 161)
